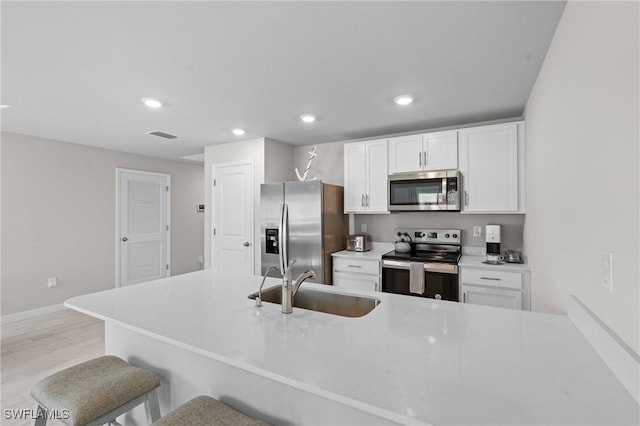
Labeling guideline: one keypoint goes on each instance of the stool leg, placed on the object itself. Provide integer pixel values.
(41, 416)
(152, 407)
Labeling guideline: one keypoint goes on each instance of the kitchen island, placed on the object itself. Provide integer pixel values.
(409, 361)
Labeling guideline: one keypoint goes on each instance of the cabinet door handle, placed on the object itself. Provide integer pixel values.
(366, 200)
(420, 159)
(375, 284)
(492, 279)
(464, 297)
(354, 266)
(362, 200)
(425, 158)
(466, 198)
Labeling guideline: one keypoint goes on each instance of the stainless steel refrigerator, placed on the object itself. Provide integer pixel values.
(303, 221)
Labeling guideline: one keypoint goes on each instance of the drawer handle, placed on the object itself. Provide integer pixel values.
(354, 266)
(492, 279)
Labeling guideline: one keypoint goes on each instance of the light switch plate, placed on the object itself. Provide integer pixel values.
(607, 270)
(363, 227)
(52, 282)
(477, 231)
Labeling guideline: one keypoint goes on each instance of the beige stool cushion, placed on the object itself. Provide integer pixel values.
(93, 388)
(206, 411)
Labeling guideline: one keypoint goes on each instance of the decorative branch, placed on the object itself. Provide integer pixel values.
(312, 156)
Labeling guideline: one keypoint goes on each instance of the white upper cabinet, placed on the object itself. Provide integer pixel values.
(429, 151)
(441, 150)
(492, 168)
(377, 174)
(405, 154)
(365, 177)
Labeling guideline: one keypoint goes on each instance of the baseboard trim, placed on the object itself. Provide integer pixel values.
(619, 357)
(5, 319)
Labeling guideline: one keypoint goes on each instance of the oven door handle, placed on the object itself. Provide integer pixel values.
(445, 268)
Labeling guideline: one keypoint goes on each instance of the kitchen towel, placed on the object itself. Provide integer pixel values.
(416, 278)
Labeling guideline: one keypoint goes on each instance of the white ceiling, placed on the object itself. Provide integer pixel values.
(76, 71)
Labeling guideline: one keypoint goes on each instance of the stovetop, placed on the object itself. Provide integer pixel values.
(428, 245)
(425, 256)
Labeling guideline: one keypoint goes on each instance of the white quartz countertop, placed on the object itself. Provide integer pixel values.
(373, 255)
(476, 262)
(411, 360)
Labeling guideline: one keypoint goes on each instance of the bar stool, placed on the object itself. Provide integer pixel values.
(206, 411)
(96, 392)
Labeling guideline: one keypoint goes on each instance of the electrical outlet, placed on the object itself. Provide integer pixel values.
(607, 270)
(52, 282)
(363, 227)
(200, 260)
(477, 231)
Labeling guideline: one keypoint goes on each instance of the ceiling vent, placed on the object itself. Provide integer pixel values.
(162, 134)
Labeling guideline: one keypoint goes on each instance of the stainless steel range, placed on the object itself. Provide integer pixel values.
(428, 269)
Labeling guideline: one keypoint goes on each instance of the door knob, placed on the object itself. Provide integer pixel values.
(125, 239)
(246, 244)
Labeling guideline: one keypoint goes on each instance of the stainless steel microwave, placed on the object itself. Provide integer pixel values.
(437, 190)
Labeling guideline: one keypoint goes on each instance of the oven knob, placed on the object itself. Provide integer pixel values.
(446, 235)
(455, 235)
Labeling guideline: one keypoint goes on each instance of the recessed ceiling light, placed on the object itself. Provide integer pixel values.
(151, 103)
(308, 118)
(4, 106)
(237, 132)
(403, 100)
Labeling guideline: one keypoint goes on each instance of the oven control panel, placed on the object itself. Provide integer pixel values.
(428, 236)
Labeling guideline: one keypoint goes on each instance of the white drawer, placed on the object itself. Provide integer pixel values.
(341, 264)
(491, 278)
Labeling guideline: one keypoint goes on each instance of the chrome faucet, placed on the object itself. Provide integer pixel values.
(289, 288)
(302, 278)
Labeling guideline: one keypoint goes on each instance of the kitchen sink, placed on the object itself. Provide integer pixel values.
(330, 303)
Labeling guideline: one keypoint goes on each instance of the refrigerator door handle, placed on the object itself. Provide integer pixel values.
(285, 237)
(280, 240)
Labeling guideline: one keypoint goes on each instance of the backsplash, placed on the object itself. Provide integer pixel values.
(380, 227)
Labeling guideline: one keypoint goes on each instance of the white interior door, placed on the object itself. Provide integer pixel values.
(233, 219)
(143, 231)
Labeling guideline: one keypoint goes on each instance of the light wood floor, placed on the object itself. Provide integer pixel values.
(37, 347)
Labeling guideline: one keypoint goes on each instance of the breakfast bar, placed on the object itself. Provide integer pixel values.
(408, 361)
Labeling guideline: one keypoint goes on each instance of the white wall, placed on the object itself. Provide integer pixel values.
(380, 227)
(58, 218)
(582, 163)
(278, 160)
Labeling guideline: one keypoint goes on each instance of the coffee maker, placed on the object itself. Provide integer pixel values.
(492, 238)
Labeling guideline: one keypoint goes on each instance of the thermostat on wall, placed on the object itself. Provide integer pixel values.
(200, 208)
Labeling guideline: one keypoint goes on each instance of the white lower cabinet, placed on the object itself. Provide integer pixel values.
(356, 274)
(500, 289)
(499, 298)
